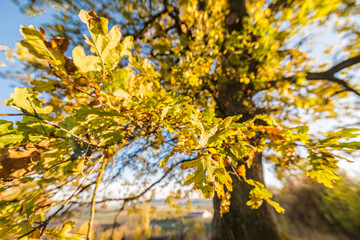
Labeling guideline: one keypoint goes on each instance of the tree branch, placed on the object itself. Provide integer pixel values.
(11, 114)
(115, 223)
(329, 74)
(27, 113)
(325, 77)
(344, 64)
(145, 190)
(44, 224)
(148, 23)
(279, 5)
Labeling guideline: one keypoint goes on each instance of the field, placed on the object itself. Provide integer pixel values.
(155, 220)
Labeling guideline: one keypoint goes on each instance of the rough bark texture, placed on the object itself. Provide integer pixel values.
(242, 222)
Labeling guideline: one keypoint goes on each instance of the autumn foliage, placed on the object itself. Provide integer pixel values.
(194, 107)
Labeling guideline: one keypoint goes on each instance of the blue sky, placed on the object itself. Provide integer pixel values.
(11, 18)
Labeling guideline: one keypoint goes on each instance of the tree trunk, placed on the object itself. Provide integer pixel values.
(242, 222)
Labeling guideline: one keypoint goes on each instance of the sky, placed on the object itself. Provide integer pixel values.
(11, 18)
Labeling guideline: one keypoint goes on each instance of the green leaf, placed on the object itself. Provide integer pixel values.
(105, 44)
(208, 191)
(110, 52)
(96, 25)
(23, 228)
(206, 135)
(266, 118)
(8, 135)
(64, 232)
(25, 99)
(196, 177)
(35, 42)
(118, 80)
(342, 146)
(226, 122)
(191, 164)
(163, 162)
(260, 193)
(346, 133)
(203, 177)
(237, 150)
(85, 112)
(34, 129)
(324, 175)
(165, 111)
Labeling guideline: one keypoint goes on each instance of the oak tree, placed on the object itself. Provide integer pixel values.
(196, 93)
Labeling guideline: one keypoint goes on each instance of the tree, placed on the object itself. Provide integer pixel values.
(311, 206)
(209, 90)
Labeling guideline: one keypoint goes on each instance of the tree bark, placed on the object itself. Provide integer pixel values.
(242, 222)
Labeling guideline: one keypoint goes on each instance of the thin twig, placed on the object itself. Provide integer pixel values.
(146, 189)
(330, 77)
(11, 114)
(148, 23)
(44, 224)
(115, 220)
(36, 114)
(92, 209)
(27, 113)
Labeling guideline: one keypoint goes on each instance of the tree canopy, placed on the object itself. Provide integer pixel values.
(179, 92)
